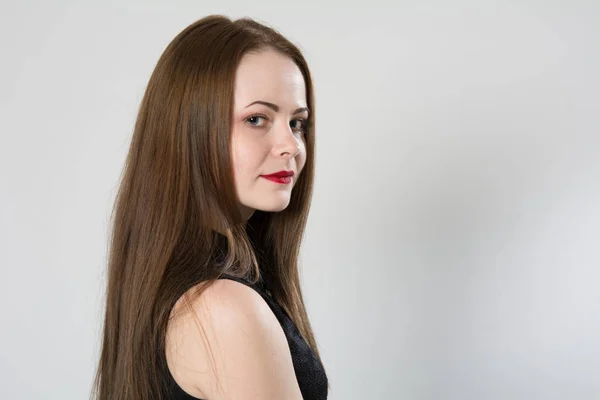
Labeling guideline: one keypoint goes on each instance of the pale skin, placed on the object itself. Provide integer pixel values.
(251, 354)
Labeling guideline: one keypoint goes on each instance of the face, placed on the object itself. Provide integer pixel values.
(267, 138)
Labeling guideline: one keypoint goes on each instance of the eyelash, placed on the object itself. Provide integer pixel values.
(304, 128)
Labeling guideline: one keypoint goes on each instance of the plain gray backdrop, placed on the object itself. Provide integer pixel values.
(453, 246)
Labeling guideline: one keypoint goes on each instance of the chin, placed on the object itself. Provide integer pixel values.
(278, 209)
(275, 205)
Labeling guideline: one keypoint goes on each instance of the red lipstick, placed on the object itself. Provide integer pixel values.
(280, 177)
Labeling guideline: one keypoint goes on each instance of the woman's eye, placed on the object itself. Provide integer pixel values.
(255, 117)
(302, 125)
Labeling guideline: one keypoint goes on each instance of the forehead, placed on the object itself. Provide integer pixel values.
(269, 76)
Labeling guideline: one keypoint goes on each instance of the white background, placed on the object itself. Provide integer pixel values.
(453, 248)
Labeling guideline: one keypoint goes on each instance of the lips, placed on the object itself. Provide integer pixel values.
(280, 174)
(283, 179)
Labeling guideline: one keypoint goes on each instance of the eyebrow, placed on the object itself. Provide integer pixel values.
(275, 107)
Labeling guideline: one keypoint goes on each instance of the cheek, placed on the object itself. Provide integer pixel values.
(245, 157)
(237, 157)
(301, 161)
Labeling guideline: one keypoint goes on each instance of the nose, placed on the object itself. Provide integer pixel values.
(287, 145)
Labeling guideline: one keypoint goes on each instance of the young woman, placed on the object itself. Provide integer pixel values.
(203, 298)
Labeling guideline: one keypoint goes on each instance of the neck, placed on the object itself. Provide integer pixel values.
(246, 213)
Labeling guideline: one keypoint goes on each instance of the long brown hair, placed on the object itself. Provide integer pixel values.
(176, 184)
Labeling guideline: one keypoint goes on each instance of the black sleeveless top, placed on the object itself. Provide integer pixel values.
(310, 373)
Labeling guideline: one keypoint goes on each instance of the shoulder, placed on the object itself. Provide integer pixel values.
(226, 303)
(229, 340)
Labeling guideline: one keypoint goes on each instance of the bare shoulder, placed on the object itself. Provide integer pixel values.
(230, 345)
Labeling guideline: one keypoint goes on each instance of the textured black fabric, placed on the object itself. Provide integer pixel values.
(310, 373)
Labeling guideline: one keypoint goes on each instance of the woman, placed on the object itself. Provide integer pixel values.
(203, 296)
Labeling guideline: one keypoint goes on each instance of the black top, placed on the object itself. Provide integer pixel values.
(310, 373)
